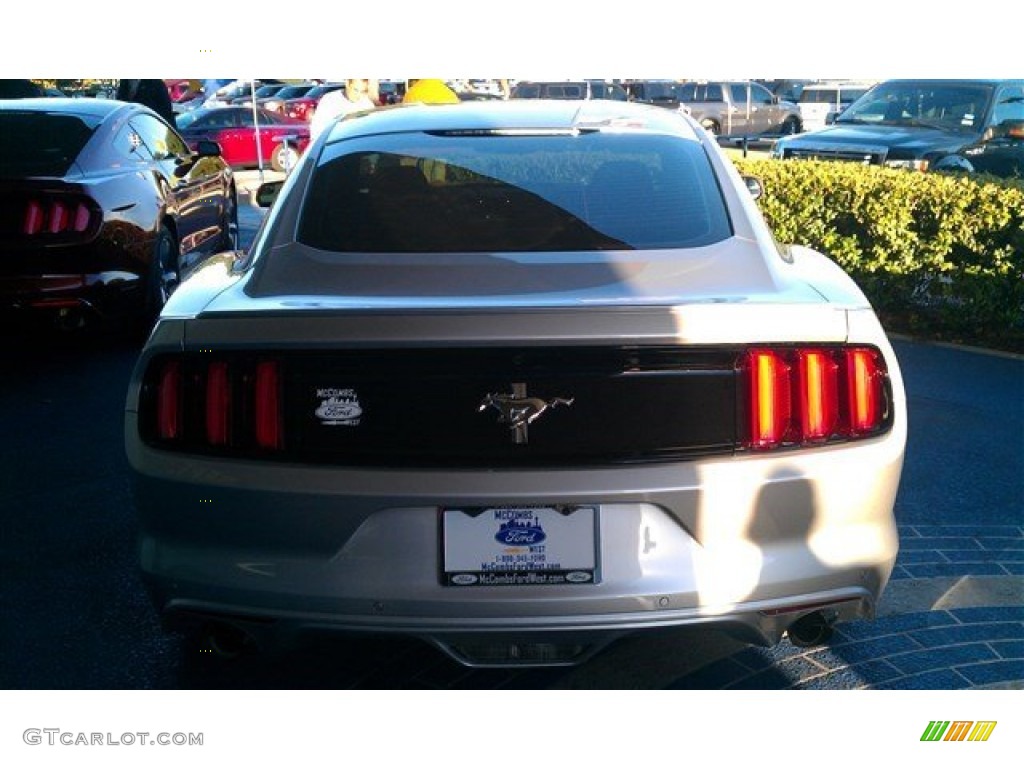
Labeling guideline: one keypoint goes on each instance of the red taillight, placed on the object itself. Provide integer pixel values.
(818, 394)
(210, 403)
(83, 217)
(58, 219)
(770, 401)
(33, 218)
(809, 395)
(57, 215)
(268, 407)
(168, 401)
(865, 389)
(218, 404)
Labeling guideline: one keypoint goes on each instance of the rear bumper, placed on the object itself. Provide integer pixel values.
(744, 545)
(102, 293)
(532, 641)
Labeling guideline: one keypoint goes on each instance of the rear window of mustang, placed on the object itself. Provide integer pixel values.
(41, 144)
(480, 192)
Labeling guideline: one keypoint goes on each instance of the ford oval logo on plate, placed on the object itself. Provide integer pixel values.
(342, 411)
(520, 532)
(577, 577)
(464, 579)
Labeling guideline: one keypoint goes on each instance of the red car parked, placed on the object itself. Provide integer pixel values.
(303, 107)
(282, 138)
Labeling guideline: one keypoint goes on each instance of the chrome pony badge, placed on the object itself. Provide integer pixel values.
(518, 410)
(338, 407)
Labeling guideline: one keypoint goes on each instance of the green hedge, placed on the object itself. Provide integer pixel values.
(936, 254)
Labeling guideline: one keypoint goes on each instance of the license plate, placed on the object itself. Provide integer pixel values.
(519, 546)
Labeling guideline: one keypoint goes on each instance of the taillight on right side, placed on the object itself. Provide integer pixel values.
(807, 395)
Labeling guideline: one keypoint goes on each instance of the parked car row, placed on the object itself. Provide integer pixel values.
(262, 92)
(58, 150)
(726, 109)
(276, 101)
(297, 100)
(953, 125)
(569, 89)
(216, 93)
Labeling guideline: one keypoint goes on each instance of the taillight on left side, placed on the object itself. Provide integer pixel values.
(218, 405)
(267, 405)
(168, 401)
(210, 404)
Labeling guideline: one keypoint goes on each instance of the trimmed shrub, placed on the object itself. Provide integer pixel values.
(937, 254)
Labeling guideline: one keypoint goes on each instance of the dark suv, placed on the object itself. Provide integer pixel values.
(967, 125)
(569, 89)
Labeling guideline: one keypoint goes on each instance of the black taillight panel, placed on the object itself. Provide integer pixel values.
(202, 403)
(429, 408)
(50, 218)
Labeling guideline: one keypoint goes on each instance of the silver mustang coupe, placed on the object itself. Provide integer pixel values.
(517, 378)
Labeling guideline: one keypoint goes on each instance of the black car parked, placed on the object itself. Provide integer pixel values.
(102, 208)
(964, 125)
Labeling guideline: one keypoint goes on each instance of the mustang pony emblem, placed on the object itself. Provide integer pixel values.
(517, 410)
